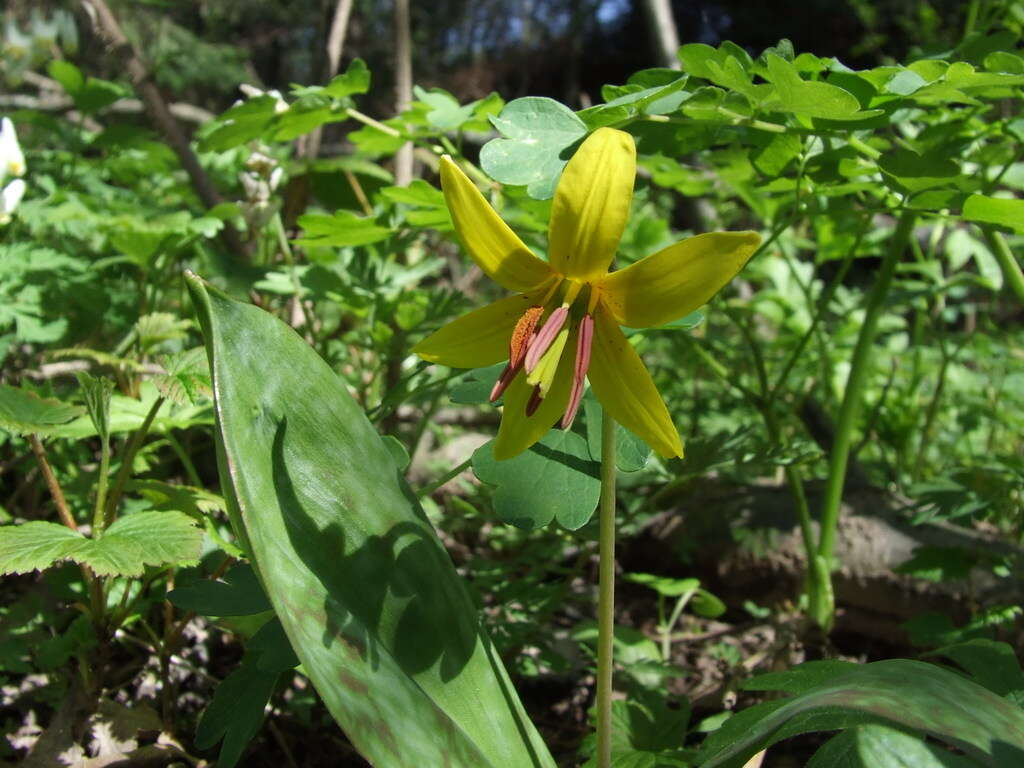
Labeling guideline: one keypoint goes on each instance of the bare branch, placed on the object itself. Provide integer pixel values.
(108, 28)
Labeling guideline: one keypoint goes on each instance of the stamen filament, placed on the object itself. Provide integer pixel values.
(534, 402)
(543, 375)
(545, 337)
(584, 342)
(522, 335)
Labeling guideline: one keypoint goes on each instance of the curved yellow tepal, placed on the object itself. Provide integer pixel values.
(367, 595)
(676, 280)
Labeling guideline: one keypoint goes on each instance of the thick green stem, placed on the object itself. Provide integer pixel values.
(606, 594)
(853, 397)
(1007, 263)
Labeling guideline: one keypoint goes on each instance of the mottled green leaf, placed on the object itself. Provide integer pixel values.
(910, 694)
(880, 746)
(366, 593)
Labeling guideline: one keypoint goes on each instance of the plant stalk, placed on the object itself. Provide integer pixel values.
(853, 398)
(63, 512)
(606, 593)
(127, 459)
(101, 485)
(1007, 262)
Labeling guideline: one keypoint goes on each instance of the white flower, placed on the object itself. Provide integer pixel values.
(9, 199)
(12, 161)
(252, 92)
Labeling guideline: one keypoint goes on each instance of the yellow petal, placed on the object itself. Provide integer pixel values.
(591, 205)
(677, 280)
(625, 388)
(519, 431)
(477, 339)
(495, 248)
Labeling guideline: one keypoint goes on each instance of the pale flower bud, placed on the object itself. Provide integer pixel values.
(12, 161)
(9, 199)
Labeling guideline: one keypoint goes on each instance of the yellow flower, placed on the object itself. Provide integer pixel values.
(562, 325)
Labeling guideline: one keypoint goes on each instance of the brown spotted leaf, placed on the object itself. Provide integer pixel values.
(366, 593)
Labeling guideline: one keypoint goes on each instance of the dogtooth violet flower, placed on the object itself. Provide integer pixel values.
(561, 326)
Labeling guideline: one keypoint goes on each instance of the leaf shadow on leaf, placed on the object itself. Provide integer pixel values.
(362, 586)
(591, 468)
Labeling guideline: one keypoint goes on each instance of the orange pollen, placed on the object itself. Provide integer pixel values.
(522, 334)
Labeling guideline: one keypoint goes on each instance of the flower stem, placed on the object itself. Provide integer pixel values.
(606, 593)
(856, 383)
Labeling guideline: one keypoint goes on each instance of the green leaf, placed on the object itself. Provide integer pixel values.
(475, 386)
(555, 479)
(539, 133)
(631, 453)
(89, 94)
(243, 122)
(187, 376)
(96, 393)
(157, 327)
(664, 585)
(372, 141)
(37, 545)
(343, 228)
(938, 564)
(429, 208)
(23, 412)
(914, 172)
(366, 593)
(811, 98)
(801, 678)
(881, 746)
(911, 694)
(128, 413)
(992, 664)
(995, 210)
(354, 80)
(445, 112)
(707, 605)
(838, 752)
(238, 594)
(67, 74)
(162, 538)
(398, 452)
(236, 711)
(112, 556)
